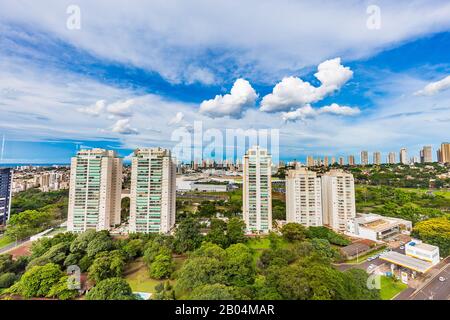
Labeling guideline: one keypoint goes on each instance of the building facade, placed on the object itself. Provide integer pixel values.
(391, 158)
(6, 176)
(153, 191)
(364, 158)
(95, 189)
(303, 198)
(351, 160)
(338, 199)
(403, 156)
(426, 155)
(445, 152)
(377, 158)
(257, 190)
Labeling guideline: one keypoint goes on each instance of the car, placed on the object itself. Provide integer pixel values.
(402, 248)
(441, 279)
(369, 259)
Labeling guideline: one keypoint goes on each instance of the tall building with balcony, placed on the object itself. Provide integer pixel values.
(6, 176)
(257, 190)
(309, 161)
(445, 152)
(153, 191)
(377, 158)
(403, 156)
(303, 197)
(364, 158)
(338, 199)
(95, 190)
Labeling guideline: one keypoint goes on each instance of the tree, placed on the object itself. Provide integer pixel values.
(327, 234)
(212, 292)
(56, 254)
(293, 232)
(133, 248)
(61, 290)
(125, 209)
(37, 281)
(217, 233)
(188, 236)
(80, 244)
(101, 242)
(162, 266)
(239, 266)
(236, 231)
(111, 289)
(7, 279)
(435, 231)
(27, 223)
(107, 265)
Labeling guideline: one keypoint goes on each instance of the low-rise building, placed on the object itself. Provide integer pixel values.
(417, 249)
(378, 228)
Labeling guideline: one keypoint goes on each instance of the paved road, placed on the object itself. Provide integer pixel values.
(435, 289)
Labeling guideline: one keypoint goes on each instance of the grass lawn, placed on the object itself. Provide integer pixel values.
(390, 288)
(4, 241)
(445, 194)
(139, 279)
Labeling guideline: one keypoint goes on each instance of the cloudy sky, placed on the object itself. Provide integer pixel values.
(333, 77)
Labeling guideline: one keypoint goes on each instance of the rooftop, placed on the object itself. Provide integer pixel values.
(406, 261)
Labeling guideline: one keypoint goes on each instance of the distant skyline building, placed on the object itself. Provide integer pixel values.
(95, 190)
(309, 161)
(391, 158)
(426, 154)
(338, 199)
(325, 161)
(351, 160)
(303, 197)
(377, 158)
(257, 190)
(403, 156)
(445, 152)
(6, 176)
(341, 161)
(364, 158)
(153, 191)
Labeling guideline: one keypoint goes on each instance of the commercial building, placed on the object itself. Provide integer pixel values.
(377, 158)
(95, 190)
(153, 191)
(364, 158)
(378, 228)
(419, 257)
(257, 190)
(338, 199)
(403, 156)
(426, 154)
(303, 197)
(445, 152)
(6, 176)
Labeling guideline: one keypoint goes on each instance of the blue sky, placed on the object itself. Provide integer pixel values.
(141, 73)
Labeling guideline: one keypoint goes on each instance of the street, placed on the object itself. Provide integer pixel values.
(435, 289)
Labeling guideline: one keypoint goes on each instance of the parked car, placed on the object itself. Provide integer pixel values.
(402, 248)
(442, 279)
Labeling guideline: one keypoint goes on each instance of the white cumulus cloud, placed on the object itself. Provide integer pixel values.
(241, 96)
(94, 110)
(123, 126)
(121, 108)
(302, 113)
(334, 108)
(434, 87)
(293, 92)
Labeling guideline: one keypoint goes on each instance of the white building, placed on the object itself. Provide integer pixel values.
(403, 156)
(303, 197)
(338, 199)
(95, 189)
(257, 190)
(153, 191)
(378, 228)
(417, 249)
